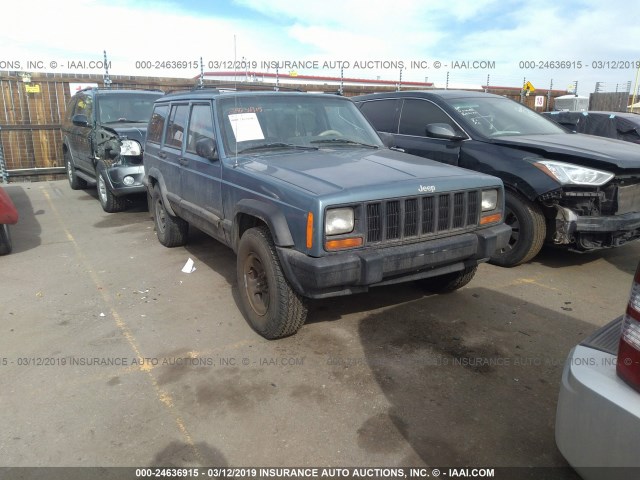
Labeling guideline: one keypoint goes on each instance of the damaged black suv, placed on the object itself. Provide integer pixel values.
(103, 134)
(570, 190)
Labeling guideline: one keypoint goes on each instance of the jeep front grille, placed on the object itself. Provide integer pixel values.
(417, 217)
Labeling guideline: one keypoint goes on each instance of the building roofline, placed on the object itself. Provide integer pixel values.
(313, 78)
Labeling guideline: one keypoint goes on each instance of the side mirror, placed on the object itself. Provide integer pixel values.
(80, 120)
(206, 148)
(442, 130)
(387, 139)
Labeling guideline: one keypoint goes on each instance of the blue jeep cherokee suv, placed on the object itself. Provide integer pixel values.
(302, 188)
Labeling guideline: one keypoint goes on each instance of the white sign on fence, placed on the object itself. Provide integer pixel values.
(539, 101)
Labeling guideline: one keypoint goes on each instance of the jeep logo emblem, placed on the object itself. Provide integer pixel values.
(427, 189)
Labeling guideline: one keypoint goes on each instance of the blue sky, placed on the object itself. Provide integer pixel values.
(504, 32)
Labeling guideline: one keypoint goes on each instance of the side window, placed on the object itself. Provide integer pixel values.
(71, 108)
(382, 114)
(417, 114)
(200, 126)
(156, 124)
(84, 106)
(176, 126)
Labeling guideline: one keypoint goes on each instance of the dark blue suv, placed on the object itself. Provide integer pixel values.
(302, 188)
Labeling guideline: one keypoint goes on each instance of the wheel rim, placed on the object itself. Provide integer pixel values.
(161, 216)
(511, 219)
(102, 190)
(256, 285)
(69, 170)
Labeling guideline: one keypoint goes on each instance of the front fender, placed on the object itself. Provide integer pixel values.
(269, 214)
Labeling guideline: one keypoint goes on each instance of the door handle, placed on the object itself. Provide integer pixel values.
(183, 161)
(162, 155)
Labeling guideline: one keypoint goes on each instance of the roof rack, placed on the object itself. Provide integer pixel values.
(128, 89)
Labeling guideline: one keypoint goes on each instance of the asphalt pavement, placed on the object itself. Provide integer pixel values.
(110, 355)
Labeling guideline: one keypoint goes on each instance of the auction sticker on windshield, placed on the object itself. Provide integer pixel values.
(246, 127)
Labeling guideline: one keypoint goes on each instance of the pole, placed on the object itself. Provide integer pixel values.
(635, 88)
(549, 94)
(107, 79)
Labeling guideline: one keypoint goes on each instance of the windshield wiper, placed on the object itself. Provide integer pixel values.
(126, 120)
(344, 141)
(274, 145)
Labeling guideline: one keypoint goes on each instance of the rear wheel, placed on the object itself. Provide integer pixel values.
(528, 231)
(109, 202)
(449, 282)
(268, 302)
(172, 231)
(5, 240)
(75, 182)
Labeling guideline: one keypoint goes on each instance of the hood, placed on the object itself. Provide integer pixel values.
(133, 131)
(586, 150)
(328, 171)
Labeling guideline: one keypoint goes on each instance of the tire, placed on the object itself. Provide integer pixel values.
(75, 182)
(172, 231)
(271, 306)
(5, 240)
(109, 202)
(529, 230)
(449, 282)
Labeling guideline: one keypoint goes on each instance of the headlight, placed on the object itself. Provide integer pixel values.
(489, 200)
(338, 220)
(569, 174)
(130, 148)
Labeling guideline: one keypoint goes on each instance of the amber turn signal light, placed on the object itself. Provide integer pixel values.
(491, 219)
(343, 243)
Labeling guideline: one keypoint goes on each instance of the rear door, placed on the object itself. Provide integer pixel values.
(80, 135)
(200, 176)
(165, 150)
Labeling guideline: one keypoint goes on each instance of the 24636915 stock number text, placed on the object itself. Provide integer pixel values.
(578, 64)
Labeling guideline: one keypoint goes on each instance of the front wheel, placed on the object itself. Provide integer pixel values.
(5, 240)
(528, 231)
(109, 202)
(449, 282)
(268, 302)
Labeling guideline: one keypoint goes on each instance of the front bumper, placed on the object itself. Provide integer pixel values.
(115, 178)
(356, 270)
(612, 230)
(598, 416)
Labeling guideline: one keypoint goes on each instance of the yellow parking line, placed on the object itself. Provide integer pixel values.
(163, 396)
(532, 281)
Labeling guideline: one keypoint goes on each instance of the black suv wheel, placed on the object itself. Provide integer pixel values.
(75, 182)
(272, 307)
(528, 230)
(110, 203)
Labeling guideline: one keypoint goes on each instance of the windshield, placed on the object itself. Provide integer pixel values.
(499, 117)
(261, 123)
(125, 107)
